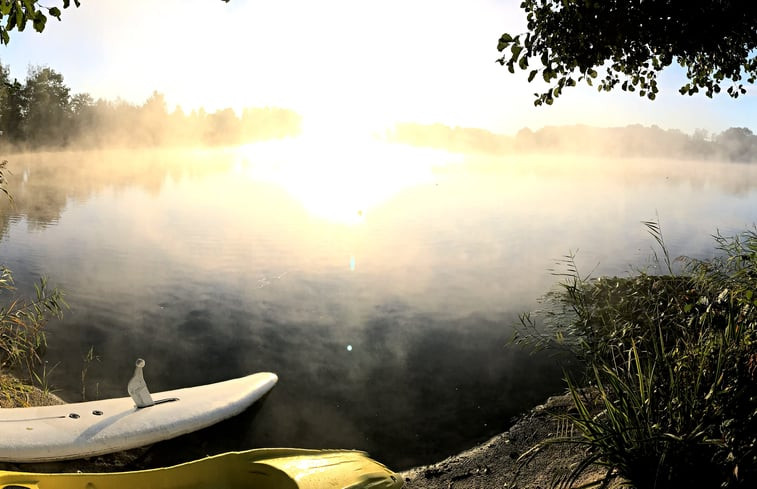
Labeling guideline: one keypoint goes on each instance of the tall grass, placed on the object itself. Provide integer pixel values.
(672, 362)
(22, 320)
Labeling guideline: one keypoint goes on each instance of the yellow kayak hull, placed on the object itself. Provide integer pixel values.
(276, 468)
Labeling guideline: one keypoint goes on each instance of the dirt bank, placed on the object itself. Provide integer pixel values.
(494, 464)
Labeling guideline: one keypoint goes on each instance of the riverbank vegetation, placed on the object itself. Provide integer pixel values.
(22, 335)
(671, 362)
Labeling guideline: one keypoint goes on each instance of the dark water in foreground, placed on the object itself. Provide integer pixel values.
(381, 291)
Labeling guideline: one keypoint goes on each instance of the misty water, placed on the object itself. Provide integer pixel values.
(380, 282)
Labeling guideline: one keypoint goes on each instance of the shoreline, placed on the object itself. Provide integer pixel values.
(493, 463)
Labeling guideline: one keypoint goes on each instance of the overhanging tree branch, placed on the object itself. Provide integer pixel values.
(571, 41)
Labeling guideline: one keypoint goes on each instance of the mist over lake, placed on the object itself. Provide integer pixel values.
(380, 282)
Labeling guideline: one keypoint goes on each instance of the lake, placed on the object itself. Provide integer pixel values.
(380, 282)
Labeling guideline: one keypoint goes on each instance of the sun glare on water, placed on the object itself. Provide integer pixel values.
(340, 179)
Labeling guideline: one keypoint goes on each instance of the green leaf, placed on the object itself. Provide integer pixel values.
(523, 63)
(20, 20)
(516, 49)
(55, 12)
(504, 41)
(39, 22)
(532, 75)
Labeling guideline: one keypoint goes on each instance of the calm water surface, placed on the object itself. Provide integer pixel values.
(379, 282)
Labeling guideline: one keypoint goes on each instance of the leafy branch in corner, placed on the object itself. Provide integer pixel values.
(571, 41)
(16, 14)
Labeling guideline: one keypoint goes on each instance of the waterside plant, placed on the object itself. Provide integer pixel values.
(22, 322)
(671, 368)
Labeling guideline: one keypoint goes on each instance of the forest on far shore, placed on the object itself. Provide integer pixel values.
(41, 113)
(734, 144)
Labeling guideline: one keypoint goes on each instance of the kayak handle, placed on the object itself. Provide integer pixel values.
(137, 387)
(155, 403)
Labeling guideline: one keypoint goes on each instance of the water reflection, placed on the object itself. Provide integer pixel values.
(384, 305)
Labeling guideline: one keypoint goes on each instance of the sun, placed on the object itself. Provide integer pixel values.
(340, 179)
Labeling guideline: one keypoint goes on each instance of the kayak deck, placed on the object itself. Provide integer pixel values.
(280, 468)
(78, 430)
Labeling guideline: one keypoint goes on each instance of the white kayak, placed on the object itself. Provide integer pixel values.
(79, 430)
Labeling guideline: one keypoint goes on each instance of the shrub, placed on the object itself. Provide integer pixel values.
(672, 360)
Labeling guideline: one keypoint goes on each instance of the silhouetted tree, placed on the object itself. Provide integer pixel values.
(631, 41)
(738, 143)
(223, 127)
(48, 108)
(12, 106)
(153, 119)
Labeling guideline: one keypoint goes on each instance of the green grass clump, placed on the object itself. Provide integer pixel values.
(672, 362)
(22, 321)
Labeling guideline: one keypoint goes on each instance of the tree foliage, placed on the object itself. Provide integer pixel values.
(16, 14)
(42, 113)
(570, 41)
(47, 106)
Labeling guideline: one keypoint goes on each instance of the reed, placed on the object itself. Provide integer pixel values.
(22, 320)
(671, 362)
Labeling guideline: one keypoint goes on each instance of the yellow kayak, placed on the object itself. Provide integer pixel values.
(276, 468)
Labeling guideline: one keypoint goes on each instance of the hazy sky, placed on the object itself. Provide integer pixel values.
(341, 63)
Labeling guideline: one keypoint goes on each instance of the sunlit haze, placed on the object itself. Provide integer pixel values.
(341, 64)
(357, 197)
(347, 183)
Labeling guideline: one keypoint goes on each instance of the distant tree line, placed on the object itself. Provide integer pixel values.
(734, 144)
(42, 113)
